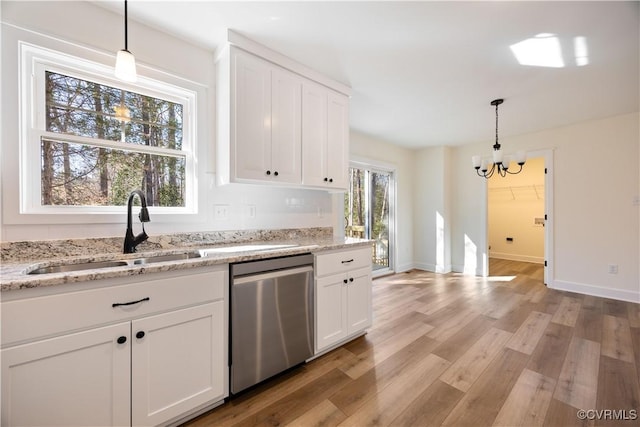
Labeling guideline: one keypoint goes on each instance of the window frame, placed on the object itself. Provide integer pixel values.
(370, 166)
(35, 61)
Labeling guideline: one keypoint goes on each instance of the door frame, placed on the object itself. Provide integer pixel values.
(378, 166)
(547, 155)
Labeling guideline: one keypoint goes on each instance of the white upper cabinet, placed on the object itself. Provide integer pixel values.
(325, 137)
(265, 121)
(286, 111)
(277, 121)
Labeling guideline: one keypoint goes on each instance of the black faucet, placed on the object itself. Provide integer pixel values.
(130, 242)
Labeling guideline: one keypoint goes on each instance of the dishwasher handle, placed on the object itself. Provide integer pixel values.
(271, 274)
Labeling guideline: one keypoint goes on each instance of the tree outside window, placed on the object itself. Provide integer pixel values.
(101, 142)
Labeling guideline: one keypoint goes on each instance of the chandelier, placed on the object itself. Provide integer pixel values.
(499, 163)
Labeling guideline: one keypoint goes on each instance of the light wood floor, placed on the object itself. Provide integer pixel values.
(454, 350)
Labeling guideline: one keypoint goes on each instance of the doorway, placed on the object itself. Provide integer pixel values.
(369, 212)
(518, 224)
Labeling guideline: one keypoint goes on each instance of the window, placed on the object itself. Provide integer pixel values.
(92, 139)
(368, 211)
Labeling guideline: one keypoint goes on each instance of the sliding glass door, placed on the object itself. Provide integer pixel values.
(368, 211)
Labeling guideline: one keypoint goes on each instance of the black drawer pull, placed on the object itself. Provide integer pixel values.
(122, 339)
(140, 334)
(118, 304)
(351, 279)
(268, 172)
(326, 180)
(345, 280)
(347, 261)
(330, 179)
(276, 173)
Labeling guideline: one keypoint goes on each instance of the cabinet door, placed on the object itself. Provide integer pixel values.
(337, 139)
(359, 304)
(331, 310)
(80, 379)
(314, 135)
(178, 362)
(286, 138)
(250, 117)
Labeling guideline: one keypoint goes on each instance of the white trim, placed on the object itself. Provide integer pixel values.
(433, 268)
(547, 155)
(597, 291)
(34, 61)
(406, 267)
(516, 257)
(374, 165)
(277, 58)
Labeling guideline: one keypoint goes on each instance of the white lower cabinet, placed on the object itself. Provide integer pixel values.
(145, 371)
(80, 379)
(175, 363)
(343, 296)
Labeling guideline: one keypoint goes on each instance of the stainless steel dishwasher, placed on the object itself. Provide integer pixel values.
(271, 318)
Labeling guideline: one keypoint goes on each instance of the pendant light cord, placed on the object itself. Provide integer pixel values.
(126, 38)
(497, 124)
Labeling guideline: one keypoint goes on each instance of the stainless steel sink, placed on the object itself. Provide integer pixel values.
(65, 268)
(78, 267)
(165, 258)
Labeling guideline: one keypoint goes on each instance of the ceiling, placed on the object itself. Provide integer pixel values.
(424, 73)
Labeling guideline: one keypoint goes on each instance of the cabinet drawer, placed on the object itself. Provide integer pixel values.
(340, 261)
(118, 300)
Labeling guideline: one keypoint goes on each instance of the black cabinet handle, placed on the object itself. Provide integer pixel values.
(118, 304)
(326, 179)
(345, 280)
(276, 173)
(347, 261)
(351, 279)
(268, 172)
(330, 179)
(140, 334)
(122, 339)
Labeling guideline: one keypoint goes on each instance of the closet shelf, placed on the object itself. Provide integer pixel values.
(518, 192)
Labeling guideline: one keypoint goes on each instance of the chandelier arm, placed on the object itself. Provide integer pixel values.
(491, 171)
(517, 172)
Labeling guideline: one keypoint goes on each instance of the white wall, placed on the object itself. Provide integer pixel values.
(432, 210)
(366, 148)
(596, 219)
(84, 29)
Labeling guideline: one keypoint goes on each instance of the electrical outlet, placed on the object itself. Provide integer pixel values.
(220, 211)
(613, 268)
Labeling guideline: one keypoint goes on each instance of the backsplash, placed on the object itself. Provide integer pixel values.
(27, 251)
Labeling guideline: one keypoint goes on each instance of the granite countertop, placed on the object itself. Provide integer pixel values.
(14, 274)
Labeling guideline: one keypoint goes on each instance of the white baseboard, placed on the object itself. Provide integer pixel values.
(460, 269)
(405, 267)
(515, 257)
(596, 291)
(424, 266)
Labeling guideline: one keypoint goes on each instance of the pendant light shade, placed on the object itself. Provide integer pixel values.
(125, 61)
(126, 66)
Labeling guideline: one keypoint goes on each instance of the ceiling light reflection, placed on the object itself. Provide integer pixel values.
(543, 50)
(580, 51)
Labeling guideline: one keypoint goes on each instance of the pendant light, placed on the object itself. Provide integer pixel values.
(498, 162)
(125, 61)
